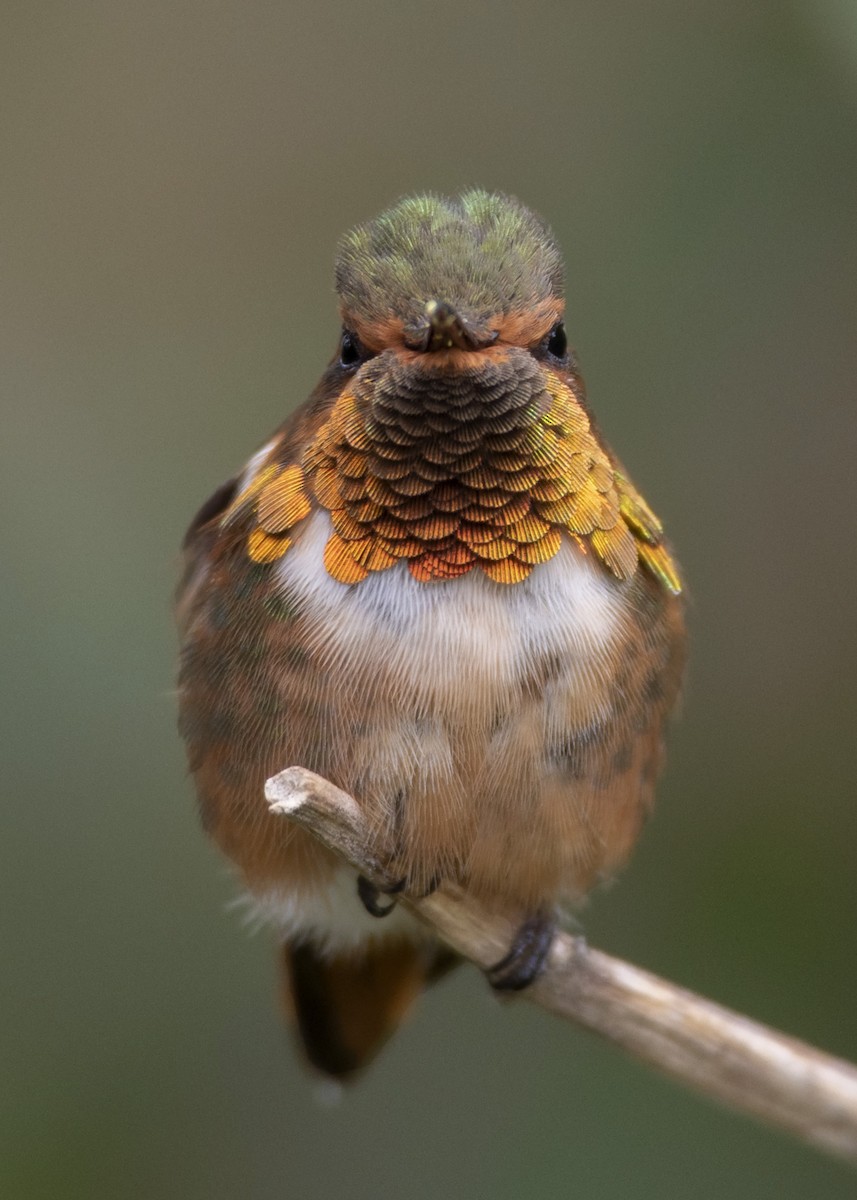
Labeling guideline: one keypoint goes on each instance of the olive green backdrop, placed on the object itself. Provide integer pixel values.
(174, 176)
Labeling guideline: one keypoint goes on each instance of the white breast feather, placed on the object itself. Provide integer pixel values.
(431, 637)
(435, 634)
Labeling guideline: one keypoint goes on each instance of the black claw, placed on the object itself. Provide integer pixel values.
(526, 956)
(370, 895)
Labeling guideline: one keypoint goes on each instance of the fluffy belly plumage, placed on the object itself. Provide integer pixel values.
(502, 736)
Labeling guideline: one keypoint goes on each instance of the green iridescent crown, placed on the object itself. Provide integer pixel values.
(483, 252)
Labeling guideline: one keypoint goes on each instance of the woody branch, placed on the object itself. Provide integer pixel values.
(720, 1053)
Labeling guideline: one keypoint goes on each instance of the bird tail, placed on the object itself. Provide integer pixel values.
(346, 1006)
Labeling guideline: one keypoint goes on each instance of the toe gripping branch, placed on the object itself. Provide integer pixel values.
(526, 956)
(515, 971)
(370, 894)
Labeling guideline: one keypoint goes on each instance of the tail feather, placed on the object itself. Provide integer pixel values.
(347, 1006)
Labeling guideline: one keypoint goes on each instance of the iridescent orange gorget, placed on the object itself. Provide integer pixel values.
(482, 469)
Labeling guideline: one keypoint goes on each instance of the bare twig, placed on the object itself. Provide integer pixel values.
(720, 1053)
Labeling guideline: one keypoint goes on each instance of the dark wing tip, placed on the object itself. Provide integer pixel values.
(215, 506)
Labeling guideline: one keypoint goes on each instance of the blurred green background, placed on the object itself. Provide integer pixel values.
(174, 179)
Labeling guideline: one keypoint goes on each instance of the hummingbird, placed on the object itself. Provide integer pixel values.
(437, 587)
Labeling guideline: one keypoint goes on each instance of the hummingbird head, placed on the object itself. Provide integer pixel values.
(432, 279)
(451, 429)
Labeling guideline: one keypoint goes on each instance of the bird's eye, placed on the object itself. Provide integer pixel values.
(557, 342)
(350, 350)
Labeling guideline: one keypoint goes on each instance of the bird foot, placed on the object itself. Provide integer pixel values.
(370, 894)
(526, 956)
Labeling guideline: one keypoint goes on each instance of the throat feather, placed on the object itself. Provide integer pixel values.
(453, 471)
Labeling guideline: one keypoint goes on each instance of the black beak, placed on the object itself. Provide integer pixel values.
(446, 329)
